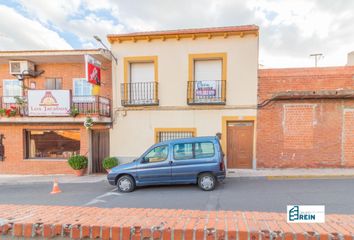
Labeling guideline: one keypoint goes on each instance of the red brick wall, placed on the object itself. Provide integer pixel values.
(66, 71)
(305, 133)
(271, 81)
(14, 162)
(298, 123)
(14, 142)
(348, 135)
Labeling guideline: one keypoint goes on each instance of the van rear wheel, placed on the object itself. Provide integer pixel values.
(207, 181)
(126, 184)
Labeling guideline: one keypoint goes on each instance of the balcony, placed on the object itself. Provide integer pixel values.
(80, 105)
(206, 92)
(139, 94)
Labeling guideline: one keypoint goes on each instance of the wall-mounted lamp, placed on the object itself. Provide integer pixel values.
(24, 73)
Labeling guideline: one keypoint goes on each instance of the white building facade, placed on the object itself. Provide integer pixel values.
(183, 83)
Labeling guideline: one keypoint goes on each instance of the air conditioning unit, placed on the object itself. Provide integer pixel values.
(22, 67)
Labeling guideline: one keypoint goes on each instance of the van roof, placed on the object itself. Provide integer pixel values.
(192, 139)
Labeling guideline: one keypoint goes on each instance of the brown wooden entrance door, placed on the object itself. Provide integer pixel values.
(239, 144)
(100, 149)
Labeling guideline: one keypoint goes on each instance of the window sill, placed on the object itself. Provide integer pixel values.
(138, 104)
(199, 102)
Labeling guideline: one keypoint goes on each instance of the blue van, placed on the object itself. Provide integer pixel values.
(198, 160)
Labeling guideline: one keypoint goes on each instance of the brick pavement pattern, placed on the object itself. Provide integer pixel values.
(37, 222)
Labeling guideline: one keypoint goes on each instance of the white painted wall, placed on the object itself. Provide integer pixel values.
(133, 133)
(242, 65)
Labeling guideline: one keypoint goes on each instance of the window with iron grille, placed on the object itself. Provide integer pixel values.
(170, 134)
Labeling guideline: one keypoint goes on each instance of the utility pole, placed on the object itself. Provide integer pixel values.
(317, 57)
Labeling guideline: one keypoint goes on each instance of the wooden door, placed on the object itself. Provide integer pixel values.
(240, 144)
(100, 149)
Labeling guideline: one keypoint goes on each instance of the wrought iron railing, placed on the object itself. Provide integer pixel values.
(86, 105)
(92, 105)
(140, 93)
(206, 92)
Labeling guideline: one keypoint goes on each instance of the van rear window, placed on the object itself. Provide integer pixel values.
(183, 151)
(204, 150)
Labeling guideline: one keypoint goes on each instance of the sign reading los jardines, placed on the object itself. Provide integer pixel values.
(48, 102)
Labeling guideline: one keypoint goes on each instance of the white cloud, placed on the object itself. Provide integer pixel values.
(92, 25)
(292, 30)
(70, 16)
(20, 33)
(289, 30)
(51, 11)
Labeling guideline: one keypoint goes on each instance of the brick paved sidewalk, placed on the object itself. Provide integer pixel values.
(90, 222)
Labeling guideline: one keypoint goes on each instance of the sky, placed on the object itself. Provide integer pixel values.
(290, 30)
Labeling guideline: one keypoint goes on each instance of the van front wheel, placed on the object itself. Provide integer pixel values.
(125, 184)
(207, 181)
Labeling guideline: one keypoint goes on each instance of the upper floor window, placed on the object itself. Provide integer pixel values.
(53, 83)
(81, 87)
(140, 81)
(207, 70)
(11, 89)
(207, 79)
(82, 91)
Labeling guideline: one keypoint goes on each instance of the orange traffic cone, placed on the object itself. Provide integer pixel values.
(56, 188)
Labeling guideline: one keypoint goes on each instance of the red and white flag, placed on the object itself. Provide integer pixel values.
(93, 70)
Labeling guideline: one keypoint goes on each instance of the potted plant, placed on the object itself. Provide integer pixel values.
(109, 163)
(74, 112)
(88, 123)
(21, 103)
(79, 164)
(11, 112)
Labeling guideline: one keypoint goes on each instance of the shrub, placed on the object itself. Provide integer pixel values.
(110, 162)
(78, 162)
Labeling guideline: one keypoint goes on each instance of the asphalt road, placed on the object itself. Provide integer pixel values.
(252, 194)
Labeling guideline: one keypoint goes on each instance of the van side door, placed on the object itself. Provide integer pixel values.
(155, 166)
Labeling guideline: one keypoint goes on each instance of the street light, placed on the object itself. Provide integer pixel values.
(100, 41)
